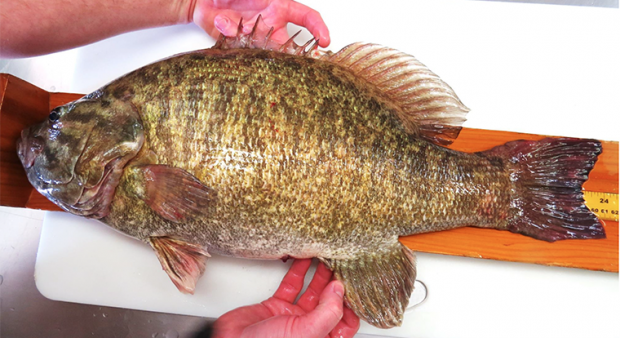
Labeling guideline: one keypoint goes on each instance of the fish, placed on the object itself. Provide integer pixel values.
(260, 150)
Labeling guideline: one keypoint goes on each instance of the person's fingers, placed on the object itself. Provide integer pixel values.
(322, 320)
(227, 24)
(350, 318)
(305, 16)
(348, 326)
(293, 281)
(310, 298)
(238, 319)
(204, 19)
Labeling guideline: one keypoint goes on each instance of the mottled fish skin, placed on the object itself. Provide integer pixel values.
(307, 159)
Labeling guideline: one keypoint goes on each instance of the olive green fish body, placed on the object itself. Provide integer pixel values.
(307, 160)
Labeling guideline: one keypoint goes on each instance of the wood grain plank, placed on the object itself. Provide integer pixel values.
(4, 79)
(58, 99)
(40, 202)
(488, 243)
(22, 104)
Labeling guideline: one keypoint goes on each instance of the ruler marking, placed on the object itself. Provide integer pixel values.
(602, 204)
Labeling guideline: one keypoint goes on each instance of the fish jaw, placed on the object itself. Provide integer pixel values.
(28, 148)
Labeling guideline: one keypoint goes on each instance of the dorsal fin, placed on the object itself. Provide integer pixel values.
(425, 100)
(429, 107)
(260, 38)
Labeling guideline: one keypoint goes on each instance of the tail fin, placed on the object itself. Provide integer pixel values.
(549, 174)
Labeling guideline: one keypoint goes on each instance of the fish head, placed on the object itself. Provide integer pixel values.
(76, 157)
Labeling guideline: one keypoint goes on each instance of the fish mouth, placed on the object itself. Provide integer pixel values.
(28, 148)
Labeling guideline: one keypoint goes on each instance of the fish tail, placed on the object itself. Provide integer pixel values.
(548, 176)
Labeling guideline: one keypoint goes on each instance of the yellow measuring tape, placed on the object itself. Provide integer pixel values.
(603, 204)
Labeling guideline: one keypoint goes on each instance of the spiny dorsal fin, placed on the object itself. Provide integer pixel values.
(260, 38)
(428, 105)
(425, 100)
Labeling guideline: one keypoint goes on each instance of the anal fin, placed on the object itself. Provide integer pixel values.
(183, 262)
(378, 285)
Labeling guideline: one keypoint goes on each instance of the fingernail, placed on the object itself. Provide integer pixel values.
(221, 23)
(339, 289)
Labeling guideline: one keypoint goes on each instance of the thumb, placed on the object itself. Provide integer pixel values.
(322, 320)
(226, 25)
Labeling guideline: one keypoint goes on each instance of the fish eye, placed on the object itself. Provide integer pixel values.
(54, 116)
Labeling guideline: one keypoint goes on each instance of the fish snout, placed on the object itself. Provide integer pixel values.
(28, 148)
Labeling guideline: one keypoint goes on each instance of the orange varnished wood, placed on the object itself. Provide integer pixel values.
(469, 242)
(21, 105)
(58, 99)
(592, 254)
(40, 202)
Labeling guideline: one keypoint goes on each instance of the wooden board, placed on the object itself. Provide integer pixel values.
(21, 105)
(470, 242)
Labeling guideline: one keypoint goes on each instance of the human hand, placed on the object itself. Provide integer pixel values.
(222, 16)
(319, 312)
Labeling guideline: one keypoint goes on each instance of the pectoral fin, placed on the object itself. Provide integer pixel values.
(378, 285)
(183, 262)
(175, 194)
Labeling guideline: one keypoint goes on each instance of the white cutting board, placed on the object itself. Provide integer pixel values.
(520, 67)
(84, 261)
